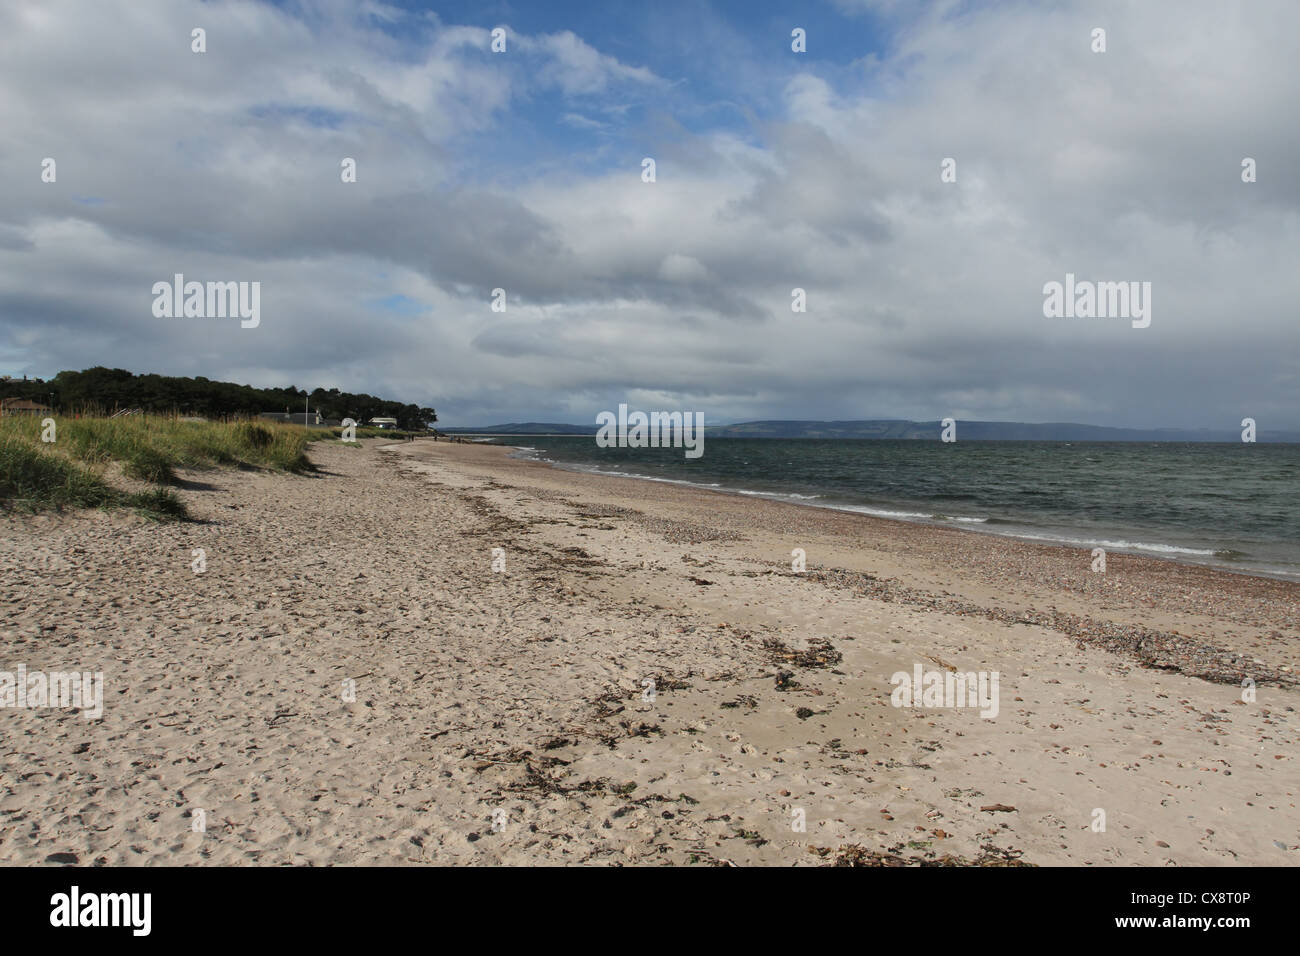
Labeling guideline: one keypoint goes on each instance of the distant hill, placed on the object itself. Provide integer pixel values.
(985, 431)
(917, 431)
(524, 428)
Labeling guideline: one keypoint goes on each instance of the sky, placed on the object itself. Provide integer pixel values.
(775, 170)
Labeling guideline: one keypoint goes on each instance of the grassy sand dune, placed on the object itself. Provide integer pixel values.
(76, 469)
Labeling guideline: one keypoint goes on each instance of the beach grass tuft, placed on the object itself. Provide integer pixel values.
(35, 480)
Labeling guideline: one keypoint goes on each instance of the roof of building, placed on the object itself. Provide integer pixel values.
(23, 405)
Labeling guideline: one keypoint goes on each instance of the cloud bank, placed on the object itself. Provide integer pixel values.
(522, 171)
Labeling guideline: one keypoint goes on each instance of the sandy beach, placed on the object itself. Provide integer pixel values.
(637, 676)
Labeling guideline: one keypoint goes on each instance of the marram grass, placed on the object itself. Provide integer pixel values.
(69, 472)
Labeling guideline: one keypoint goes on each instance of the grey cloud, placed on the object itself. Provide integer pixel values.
(922, 295)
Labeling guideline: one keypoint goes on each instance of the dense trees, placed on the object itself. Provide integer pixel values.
(108, 389)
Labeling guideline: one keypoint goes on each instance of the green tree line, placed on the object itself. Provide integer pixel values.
(110, 389)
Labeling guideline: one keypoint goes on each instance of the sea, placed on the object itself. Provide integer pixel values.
(1235, 506)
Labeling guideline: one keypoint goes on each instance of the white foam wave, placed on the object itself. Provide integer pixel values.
(1120, 545)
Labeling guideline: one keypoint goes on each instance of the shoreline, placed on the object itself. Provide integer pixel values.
(1083, 554)
(1159, 597)
(957, 523)
(1148, 604)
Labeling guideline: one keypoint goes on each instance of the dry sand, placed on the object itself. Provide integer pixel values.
(502, 716)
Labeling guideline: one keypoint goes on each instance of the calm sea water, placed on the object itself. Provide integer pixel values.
(1235, 505)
